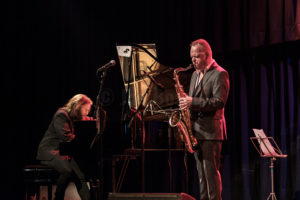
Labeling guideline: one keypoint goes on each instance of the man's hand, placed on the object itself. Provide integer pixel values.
(87, 118)
(64, 157)
(185, 102)
(71, 136)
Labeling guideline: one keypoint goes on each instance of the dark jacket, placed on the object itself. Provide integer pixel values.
(60, 126)
(209, 99)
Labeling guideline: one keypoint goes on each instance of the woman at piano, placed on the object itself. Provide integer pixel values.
(60, 130)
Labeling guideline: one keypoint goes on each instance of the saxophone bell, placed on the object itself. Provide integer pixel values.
(175, 118)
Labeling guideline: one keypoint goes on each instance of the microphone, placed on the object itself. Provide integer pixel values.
(161, 86)
(107, 65)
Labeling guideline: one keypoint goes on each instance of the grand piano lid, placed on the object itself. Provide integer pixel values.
(139, 64)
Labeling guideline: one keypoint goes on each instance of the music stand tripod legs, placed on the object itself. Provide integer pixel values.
(272, 195)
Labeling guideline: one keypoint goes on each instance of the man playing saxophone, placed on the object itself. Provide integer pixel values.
(208, 93)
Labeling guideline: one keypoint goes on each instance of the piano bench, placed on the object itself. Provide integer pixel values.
(36, 176)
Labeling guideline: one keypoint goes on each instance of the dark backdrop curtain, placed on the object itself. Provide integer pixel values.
(53, 48)
(265, 95)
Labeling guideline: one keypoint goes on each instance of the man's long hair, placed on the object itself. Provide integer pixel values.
(72, 107)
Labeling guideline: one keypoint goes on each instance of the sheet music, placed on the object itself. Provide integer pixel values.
(264, 143)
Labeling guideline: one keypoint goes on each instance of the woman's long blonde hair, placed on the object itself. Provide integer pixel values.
(72, 107)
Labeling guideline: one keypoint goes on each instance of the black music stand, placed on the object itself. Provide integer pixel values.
(154, 108)
(139, 109)
(267, 148)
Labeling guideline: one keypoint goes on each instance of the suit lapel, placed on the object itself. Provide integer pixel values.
(193, 82)
(204, 80)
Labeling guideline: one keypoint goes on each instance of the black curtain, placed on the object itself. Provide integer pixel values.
(53, 48)
(265, 95)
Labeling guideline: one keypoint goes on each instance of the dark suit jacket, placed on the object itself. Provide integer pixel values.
(58, 129)
(209, 99)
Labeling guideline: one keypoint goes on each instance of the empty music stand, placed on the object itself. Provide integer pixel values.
(267, 148)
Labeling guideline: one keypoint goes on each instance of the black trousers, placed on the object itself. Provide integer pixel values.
(208, 159)
(68, 171)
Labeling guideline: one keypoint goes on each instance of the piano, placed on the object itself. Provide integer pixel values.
(147, 81)
(151, 98)
(151, 94)
(81, 148)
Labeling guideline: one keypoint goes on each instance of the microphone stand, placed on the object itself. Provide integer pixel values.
(99, 194)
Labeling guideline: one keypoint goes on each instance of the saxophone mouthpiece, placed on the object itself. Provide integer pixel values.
(189, 67)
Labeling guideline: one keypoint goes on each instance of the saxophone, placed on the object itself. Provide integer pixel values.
(181, 118)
